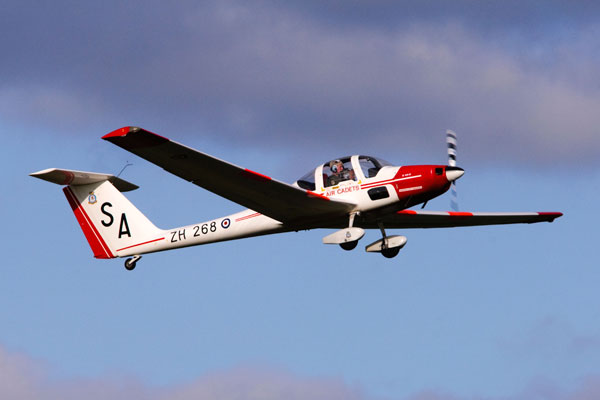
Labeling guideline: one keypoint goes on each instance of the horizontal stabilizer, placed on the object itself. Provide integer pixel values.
(75, 178)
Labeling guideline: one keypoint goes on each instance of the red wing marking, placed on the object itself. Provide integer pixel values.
(97, 243)
(255, 175)
(317, 195)
(139, 244)
(450, 213)
(552, 215)
(117, 132)
(126, 137)
(126, 129)
(247, 217)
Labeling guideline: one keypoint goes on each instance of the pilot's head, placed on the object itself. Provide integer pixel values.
(336, 166)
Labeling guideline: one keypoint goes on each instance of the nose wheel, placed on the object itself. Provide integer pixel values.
(130, 262)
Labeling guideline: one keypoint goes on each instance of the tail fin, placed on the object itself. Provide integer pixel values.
(112, 225)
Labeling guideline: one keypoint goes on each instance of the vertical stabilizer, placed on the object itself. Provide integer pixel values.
(112, 225)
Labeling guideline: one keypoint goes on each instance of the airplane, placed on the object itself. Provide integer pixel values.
(349, 194)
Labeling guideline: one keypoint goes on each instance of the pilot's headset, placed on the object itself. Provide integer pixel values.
(336, 166)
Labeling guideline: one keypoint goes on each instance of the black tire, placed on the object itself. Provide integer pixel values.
(390, 253)
(349, 245)
(129, 266)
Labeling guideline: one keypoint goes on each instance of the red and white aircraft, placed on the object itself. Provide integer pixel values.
(349, 194)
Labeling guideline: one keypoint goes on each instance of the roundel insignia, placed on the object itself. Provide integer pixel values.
(225, 223)
(92, 198)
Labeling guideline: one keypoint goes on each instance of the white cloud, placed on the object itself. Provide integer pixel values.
(24, 378)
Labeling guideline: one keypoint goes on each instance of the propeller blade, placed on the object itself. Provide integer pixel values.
(451, 142)
(453, 197)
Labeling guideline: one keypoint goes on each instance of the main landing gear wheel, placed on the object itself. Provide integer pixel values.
(390, 252)
(389, 246)
(349, 245)
(130, 262)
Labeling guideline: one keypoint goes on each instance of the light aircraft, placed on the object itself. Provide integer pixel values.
(349, 194)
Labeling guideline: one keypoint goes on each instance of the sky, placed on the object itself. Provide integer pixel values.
(490, 313)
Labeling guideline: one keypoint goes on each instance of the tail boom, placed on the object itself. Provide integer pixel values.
(114, 227)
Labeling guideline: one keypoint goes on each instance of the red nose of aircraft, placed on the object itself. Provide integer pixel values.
(453, 173)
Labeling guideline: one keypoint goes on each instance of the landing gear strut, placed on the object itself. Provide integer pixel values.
(130, 262)
(348, 237)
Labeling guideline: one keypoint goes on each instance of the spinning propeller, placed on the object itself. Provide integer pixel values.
(452, 171)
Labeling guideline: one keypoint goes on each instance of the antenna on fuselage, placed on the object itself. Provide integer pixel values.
(127, 164)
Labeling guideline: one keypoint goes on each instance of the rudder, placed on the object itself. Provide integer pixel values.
(111, 224)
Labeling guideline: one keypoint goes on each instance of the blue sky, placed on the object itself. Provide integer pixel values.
(488, 313)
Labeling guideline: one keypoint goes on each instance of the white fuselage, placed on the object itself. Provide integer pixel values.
(249, 223)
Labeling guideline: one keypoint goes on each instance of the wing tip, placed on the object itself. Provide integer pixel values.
(550, 216)
(120, 132)
(140, 138)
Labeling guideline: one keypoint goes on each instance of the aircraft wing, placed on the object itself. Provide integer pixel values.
(448, 219)
(278, 200)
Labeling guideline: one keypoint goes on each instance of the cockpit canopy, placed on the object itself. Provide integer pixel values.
(342, 169)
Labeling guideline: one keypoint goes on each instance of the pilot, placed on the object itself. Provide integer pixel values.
(339, 173)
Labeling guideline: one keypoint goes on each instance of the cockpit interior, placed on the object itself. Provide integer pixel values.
(334, 172)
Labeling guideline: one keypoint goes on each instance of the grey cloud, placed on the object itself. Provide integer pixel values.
(259, 72)
(523, 15)
(589, 389)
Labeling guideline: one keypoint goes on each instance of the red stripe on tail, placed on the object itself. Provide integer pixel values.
(98, 245)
